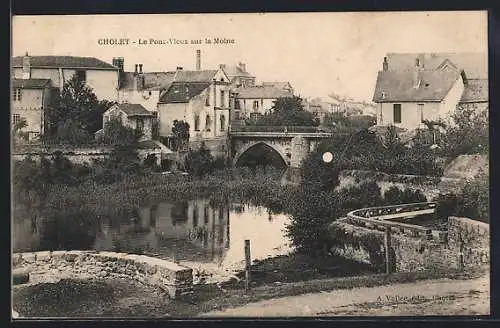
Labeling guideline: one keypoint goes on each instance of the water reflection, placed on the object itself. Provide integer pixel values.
(197, 233)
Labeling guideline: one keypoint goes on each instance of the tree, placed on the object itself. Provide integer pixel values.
(76, 103)
(17, 132)
(180, 129)
(288, 111)
(468, 132)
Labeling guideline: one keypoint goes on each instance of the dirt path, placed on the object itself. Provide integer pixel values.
(431, 297)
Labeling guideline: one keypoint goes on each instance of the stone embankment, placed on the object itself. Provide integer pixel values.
(53, 266)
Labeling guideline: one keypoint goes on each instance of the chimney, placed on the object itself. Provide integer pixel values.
(243, 67)
(140, 68)
(135, 72)
(385, 65)
(179, 68)
(198, 60)
(417, 74)
(26, 66)
(118, 62)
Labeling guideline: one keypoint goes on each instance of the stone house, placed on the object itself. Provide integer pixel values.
(252, 102)
(134, 116)
(30, 99)
(97, 74)
(200, 98)
(140, 87)
(412, 88)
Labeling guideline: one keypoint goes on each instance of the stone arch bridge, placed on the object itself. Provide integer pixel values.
(292, 145)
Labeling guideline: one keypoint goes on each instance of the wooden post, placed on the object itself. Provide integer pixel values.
(387, 245)
(248, 262)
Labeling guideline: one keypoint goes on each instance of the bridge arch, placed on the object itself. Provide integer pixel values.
(240, 152)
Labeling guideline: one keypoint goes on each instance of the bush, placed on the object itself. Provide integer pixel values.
(395, 196)
(199, 162)
(471, 202)
(315, 171)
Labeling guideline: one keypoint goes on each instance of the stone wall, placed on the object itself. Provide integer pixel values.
(49, 266)
(467, 246)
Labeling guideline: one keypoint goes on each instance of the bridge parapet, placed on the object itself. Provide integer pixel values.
(379, 218)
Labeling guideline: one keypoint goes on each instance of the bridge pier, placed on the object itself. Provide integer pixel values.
(300, 148)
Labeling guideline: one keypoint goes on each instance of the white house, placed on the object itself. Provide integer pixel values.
(97, 74)
(429, 89)
(251, 102)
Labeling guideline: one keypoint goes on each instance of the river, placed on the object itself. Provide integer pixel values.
(206, 237)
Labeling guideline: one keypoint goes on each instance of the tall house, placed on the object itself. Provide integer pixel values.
(30, 99)
(200, 98)
(415, 87)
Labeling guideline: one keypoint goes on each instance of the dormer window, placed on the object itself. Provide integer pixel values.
(383, 95)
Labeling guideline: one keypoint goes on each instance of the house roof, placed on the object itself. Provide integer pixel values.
(195, 76)
(398, 85)
(182, 92)
(262, 92)
(474, 64)
(30, 83)
(152, 80)
(133, 109)
(475, 91)
(63, 61)
(281, 85)
(234, 71)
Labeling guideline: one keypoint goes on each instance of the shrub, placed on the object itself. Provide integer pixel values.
(395, 196)
(315, 171)
(471, 202)
(199, 162)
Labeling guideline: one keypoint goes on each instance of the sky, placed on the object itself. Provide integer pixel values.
(318, 53)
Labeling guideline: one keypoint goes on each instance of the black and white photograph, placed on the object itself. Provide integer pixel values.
(250, 165)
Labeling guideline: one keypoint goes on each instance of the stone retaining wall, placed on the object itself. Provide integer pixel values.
(467, 246)
(45, 266)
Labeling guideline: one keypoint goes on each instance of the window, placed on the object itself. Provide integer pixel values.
(16, 118)
(236, 104)
(16, 96)
(421, 111)
(81, 75)
(255, 105)
(222, 99)
(140, 124)
(255, 116)
(397, 113)
(197, 122)
(222, 123)
(208, 123)
(207, 100)
(205, 215)
(195, 216)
